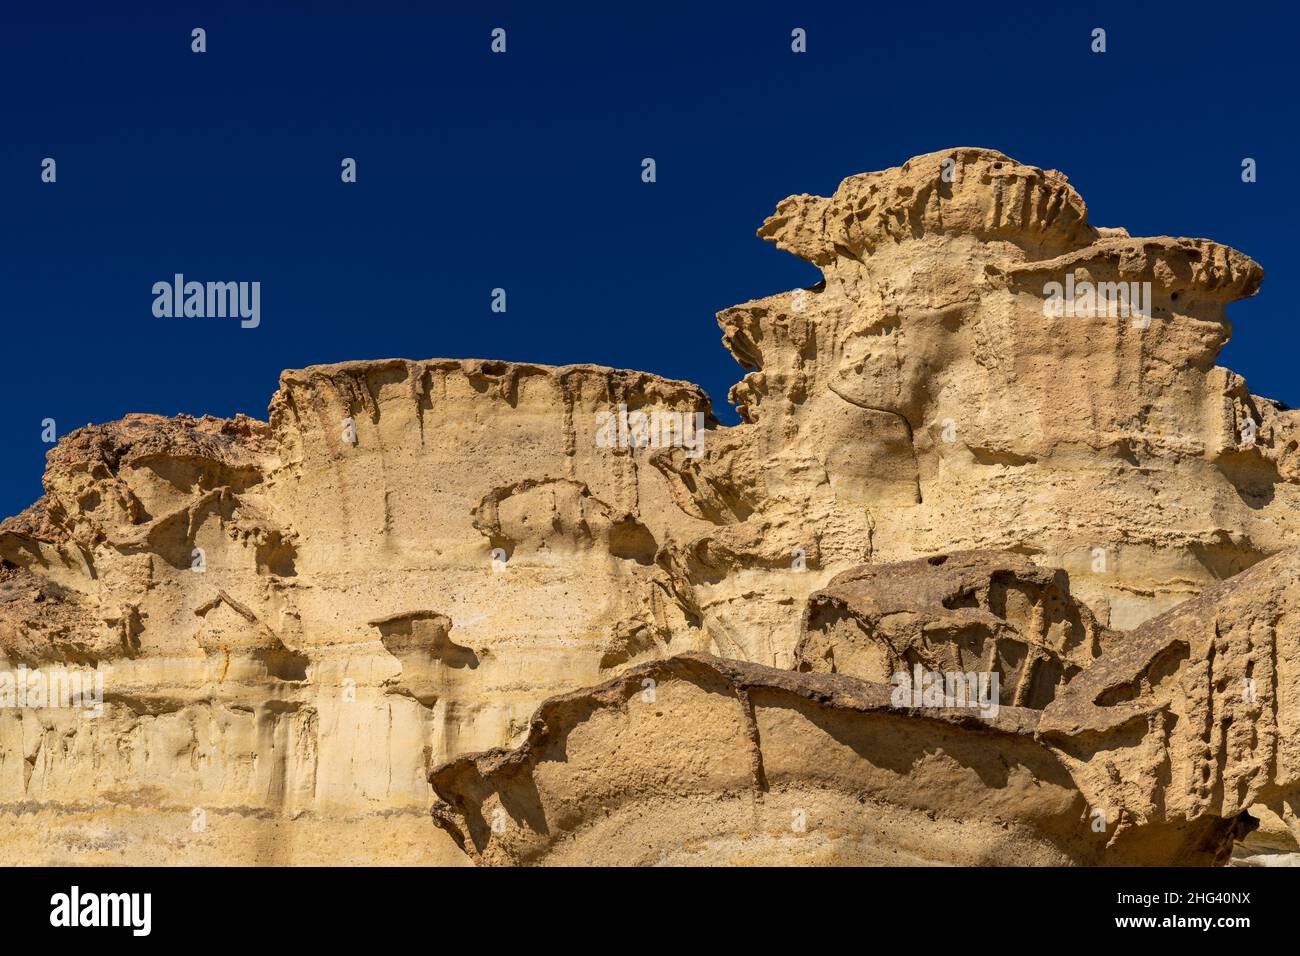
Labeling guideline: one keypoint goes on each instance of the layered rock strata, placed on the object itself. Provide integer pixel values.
(304, 627)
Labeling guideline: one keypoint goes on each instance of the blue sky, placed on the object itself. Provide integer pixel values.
(522, 171)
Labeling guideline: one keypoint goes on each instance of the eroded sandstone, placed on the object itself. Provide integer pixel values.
(301, 622)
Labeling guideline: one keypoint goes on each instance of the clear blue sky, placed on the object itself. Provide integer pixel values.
(522, 171)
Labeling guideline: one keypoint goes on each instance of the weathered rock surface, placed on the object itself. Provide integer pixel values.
(976, 611)
(1154, 751)
(1193, 715)
(293, 625)
(301, 623)
(699, 760)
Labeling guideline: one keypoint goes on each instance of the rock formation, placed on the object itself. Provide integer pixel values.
(391, 595)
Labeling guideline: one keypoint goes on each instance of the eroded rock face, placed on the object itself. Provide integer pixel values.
(921, 393)
(697, 760)
(298, 621)
(1155, 750)
(976, 611)
(1193, 716)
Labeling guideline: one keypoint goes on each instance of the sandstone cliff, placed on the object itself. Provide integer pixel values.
(307, 627)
